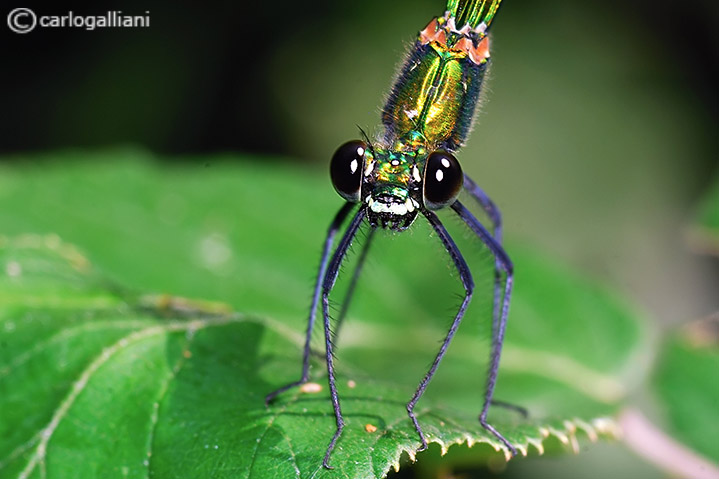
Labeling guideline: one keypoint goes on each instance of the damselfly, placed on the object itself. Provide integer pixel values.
(411, 169)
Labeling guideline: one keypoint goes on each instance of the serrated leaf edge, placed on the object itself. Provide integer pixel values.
(594, 429)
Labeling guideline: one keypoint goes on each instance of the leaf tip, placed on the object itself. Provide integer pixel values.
(412, 455)
(561, 435)
(537, 443)
(522, 449)
(587, 428)
(443, 448)
(507, 454)
(607, 427)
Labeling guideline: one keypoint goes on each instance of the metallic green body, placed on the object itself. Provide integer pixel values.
(473, 12)
(431, 97)
(430, 108)
(434, 98)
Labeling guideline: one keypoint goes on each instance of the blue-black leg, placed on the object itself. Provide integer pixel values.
(329, 241)
(466, 277)
(353, 283)
(487, 205)
(495, 216)
(328, 283)
(504, 263)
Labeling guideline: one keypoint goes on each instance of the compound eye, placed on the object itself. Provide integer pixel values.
(443, 179)
(346, 169)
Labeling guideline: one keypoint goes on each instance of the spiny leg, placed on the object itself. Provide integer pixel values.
(353, 283)
(327, 285)
(497, 332)
(329, 241)
(468, 283)
(487, 205)
(495, 216)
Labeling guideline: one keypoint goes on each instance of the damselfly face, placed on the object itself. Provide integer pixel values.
(394, 184)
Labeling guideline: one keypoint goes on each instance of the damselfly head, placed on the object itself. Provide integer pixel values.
(394, 185)
(392, 189)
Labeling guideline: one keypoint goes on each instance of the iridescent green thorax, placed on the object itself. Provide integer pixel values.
(430, 108)
(436, 92)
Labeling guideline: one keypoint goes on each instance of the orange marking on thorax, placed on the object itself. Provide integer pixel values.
(432, 33)
(478, 55)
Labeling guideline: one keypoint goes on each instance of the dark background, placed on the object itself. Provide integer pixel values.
(199, 79)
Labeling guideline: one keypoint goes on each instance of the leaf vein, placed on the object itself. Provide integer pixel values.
(79, 386)
(155, 416)
(18, 451)
(292, 453)
(62, 335)
(273, 417)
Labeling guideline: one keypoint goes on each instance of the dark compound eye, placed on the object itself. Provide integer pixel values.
(443, 180)
(346, 169)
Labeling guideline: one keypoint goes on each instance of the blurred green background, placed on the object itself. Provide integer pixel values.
(598, 135)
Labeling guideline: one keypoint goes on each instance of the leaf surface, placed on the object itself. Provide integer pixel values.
(101, 380)
(687, 382)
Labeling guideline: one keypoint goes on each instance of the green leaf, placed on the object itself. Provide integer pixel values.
(98, 380)
(687, 382)
(703, 234)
